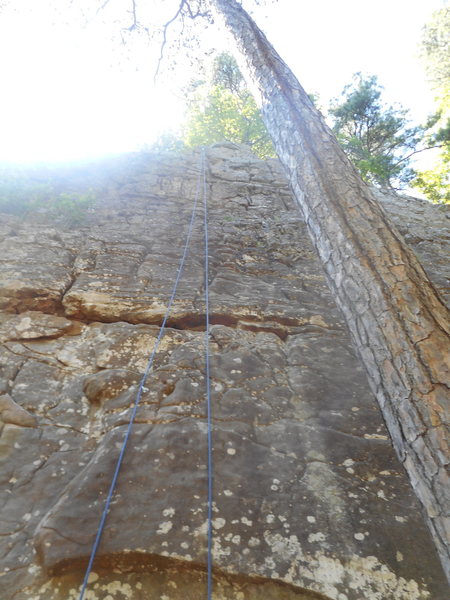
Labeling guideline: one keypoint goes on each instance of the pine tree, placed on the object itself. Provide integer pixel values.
(376, 137)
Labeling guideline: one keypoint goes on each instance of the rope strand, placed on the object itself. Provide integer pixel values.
(142, 383)
(208, 387)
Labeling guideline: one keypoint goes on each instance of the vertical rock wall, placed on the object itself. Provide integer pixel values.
(309, 498)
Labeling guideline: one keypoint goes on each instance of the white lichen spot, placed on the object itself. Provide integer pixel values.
(253, 542)
(359, 536)
(316, 537)
(164, 527)
(270, 518)
(168, 512)
(400, 519)
(311, 519)
(348, 462)
(381, 494)
(24, 324)
(286, 548)
(220, 551)
(227, 492)
(33, 570)
(246, 521)
(184, 545)
(236, 539)
(26, 516)
(399, 556)
(231, 451)
(218, 387)
(93, 577)
(218, 523)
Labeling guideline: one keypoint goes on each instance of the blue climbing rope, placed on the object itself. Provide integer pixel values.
(201, 179)
(208, 388)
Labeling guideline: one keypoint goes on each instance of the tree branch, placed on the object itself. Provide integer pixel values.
(183, 3)
(103, 5)
(133, 12)
(417, 152)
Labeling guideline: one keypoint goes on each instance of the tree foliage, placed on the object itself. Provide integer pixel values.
(435, 182)
(436, 50)
(223, 109)
(377, 137)
(20, 195)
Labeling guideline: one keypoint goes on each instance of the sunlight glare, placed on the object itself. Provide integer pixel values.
(72, 89)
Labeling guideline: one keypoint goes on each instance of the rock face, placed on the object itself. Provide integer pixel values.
(309, 498)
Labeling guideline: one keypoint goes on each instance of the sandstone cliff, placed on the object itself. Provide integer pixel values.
(310, 500)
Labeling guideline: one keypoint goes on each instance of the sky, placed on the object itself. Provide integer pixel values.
(76, 85)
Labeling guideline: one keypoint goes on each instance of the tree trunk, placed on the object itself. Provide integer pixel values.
(398, 322)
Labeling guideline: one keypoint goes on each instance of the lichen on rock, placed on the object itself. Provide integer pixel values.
(310, 500)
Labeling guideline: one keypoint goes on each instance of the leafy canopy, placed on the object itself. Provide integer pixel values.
(223, 109)
(435, 182)
(436, 51)
(377, 137)
(21, 194)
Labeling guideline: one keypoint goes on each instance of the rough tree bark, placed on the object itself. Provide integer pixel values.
(398, 322)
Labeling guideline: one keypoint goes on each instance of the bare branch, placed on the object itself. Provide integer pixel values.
(100, 8)
(192, 15)
(183, 10)
(418, 152)
(133, 12)
(183, 3)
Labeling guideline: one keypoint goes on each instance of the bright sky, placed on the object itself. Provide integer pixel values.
(72, 90)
